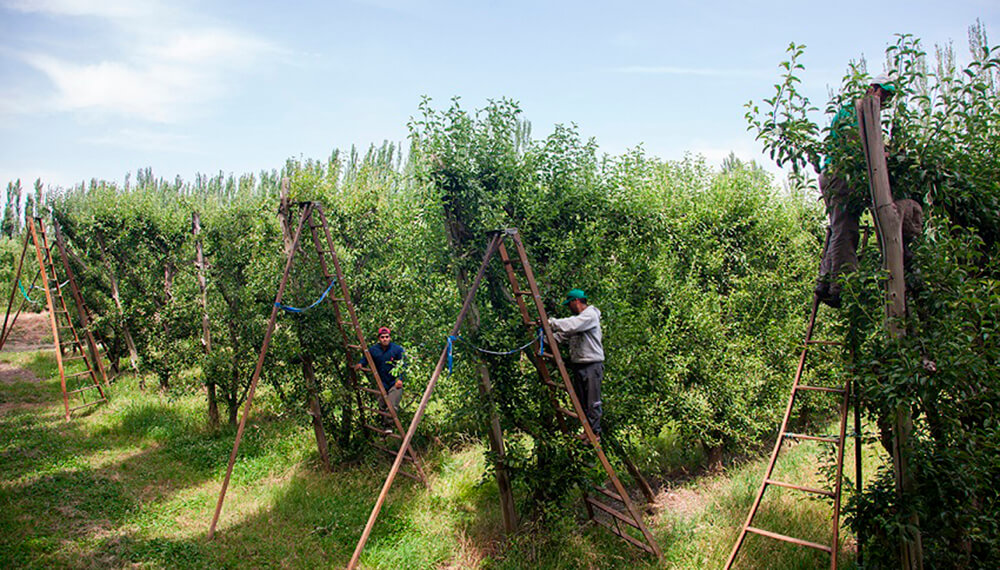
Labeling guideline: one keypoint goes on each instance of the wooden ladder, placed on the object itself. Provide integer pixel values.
(784, 434)
(615, 519)
(629, 515)
(314, 225)
(78, 386)
(373, 400)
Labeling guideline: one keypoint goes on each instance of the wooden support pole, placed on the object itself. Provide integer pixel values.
(41, 251)
(257, 370)
(423, 405)
(888, 225)
(10, 303)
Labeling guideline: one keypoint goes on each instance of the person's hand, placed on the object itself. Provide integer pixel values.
(357, 366)
(399, 384)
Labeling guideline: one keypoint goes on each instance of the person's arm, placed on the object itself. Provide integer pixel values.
(398, 368)
(584, 321)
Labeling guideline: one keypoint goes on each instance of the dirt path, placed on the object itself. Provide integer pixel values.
(32, 331)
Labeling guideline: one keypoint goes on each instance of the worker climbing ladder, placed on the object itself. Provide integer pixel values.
(768, 481)
(313, 219)
(377, 414)
(82, 389)
(545, 356)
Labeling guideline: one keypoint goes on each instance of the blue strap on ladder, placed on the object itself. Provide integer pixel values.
(451, 347)
(25, 293)
(453, 338)
(317, 302)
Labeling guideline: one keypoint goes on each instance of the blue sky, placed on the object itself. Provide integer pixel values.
(99, 88)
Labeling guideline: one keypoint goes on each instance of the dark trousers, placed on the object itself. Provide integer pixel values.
(841, 253)
(587, 379)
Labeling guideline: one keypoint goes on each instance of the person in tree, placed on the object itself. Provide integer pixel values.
(586, 354)
(844, 206)
(388, 357)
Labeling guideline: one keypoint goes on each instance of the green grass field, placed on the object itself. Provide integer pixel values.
(133, 483)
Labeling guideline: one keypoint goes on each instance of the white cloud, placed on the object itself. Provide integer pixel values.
(164, 70)
(111, 9)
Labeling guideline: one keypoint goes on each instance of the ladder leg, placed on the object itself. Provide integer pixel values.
(256, 373)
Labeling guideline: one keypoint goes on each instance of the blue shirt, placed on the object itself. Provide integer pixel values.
(385, 360)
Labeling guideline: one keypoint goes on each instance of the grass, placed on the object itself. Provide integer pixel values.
(134, 483)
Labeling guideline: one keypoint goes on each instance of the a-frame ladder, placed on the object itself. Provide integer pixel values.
(629, 516)
(80, 389)
(373, 402)
(783, 434)
(313, 219)
(605, 511)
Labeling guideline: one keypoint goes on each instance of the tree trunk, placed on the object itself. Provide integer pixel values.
(495, 436)
(206, 331)
(888, 224)
(133, 354)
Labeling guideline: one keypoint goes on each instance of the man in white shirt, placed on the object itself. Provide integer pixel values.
(586, 353)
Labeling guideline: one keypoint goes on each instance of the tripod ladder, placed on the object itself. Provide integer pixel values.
(78, 386)
(603, 512)
(323, 243)
(784, 434)
(377, 414)
(629, 516)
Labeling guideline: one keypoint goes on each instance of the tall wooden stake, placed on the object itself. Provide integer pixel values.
(257, 370)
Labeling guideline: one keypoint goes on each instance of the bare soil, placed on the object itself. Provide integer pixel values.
(32, 331)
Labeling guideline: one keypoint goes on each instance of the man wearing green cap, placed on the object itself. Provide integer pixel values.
(844, 210)
(586, 353)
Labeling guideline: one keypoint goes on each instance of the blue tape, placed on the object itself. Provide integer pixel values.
(317, 302)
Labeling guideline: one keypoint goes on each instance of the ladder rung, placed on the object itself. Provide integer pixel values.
(354, 346)
(821, 389)
(394, 452)
(608, 493)
(382, 413)
(824, 342)
(405, 473)
(798, 487)
(523, 293)
(793, 540)
(614, 530)
(337, 299)
(613, 512)
(811, 437)
(72, 358)
(78, 374)
(564, 411)
(91, 387)
(547, 355)
(383, 432)
(363, 369)
(80, 407)
(371, 390)
(552, 384)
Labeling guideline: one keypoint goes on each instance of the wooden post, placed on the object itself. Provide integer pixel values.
(206, 330)
(404, 446)
(257, 370)
(888, 225)
(495, 436)
(17, 279)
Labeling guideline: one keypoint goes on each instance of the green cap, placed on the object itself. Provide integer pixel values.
(575, 294)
